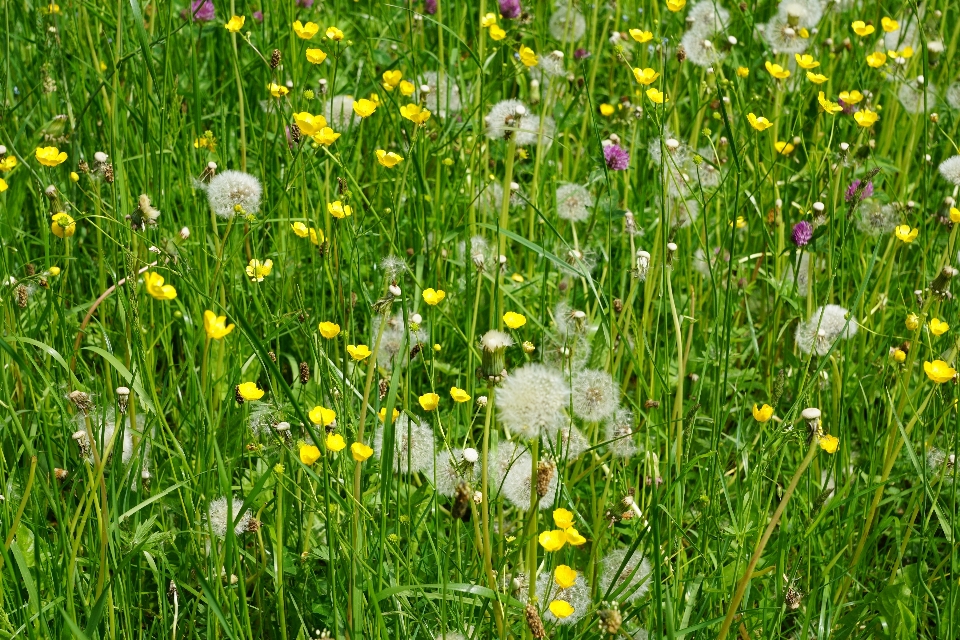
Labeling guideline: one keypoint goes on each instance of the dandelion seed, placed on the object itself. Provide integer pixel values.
(532, 400)
(452, 469)
(950, 169)
(232, 191)
(218, 517)
(413, 445)
(595, 395)
(619, 432)
(827, 325)
(629, 583)
(917, 97)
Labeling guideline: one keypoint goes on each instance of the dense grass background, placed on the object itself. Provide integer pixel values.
(113, 550)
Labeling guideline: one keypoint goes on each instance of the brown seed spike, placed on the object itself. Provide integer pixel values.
(304, 373)
(275, 59)
(534, 622)
(239, 396)
(545, 472)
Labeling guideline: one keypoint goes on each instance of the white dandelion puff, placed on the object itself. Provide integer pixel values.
(827, 325)
(413, 445)
(231, 192)
(624, 578)
(595, 395)
(520, 482)
(952, 95)
(532, 400)
(911, 95)
(950, 169)
(573, 202)
(218, 516)
(504, 118)
(339, 113)
(619, 434)
(452, 469)
(875, 218)
(536, 130)
(567, 24)
(443, 97)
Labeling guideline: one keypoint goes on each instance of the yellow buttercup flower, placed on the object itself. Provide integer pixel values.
(954, 215)
(564, 576)
(762, 414)
(309, 454)
(249, 391)
(433, 297)
(364, 108)
(309, 124)
(912, 322)
(865, 118)
(939, 371)
(552, 540)
(48, 157)
(497, 33)
(573, 537)
(429, 401)
(339, 210)
(257, 270)
(938, 327)
(806, 61)
(876, 59)
(743, 72)
(300, 229)
(816, 78)
(488, 20)
(316, 236)
(322, 416)
(9, 162)
(388, 159)
(391, 78)
(334, 34)
(561, 608)
(830, 107)
(861, 28)
(235, 23)
(335, 442)
(514, 320)
(3, 185)
(315, 56)
(407, 88)
(905, 53)
(851, 97)
(656, 96)
(528, 57)
(645, 76)
(641, 36)
(606, 109)
(62, 225)
(382, 414)
(329, 330)
(358, 352)
(758, 123)
(905, 234)
(783, 148)
(216, 326)
(277, 90)
(563, 518)
(305, 31)
(776, 70)
(415, 113)
(459, 395)
(889, 24)
(155, 287)
(829, 443)
(326, 136)
(360, 451)
(676, 5)
(899, 355)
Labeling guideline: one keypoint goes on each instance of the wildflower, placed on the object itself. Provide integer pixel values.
(429, 401)
(231, 191)
(889, 25)
(459, 395)
(433, 297)
(322, 416)
(827, 325)
(309, 454)
(510, 9)
(305, 31)
(8, 163)
(391, 78)
(760, 124)
(676, 5)
(573, 201)
(595, 395)
(316, 236)
(514, 320)
(776, 71)
(564, 576)
(876, 59)
(532, 401)
(783, 148)
(258, 270)
(3, 185)
(339, 210)
(606, 110)
(806, 61)
(899, 355)
(629, 583)
(309, 124)
(641, 36)
(155, 287)
(388, 158)
(316, 56)
(215, 326)
(616, 157)
(950, 169)
(743, 72)
(938, 327)
(954, 215)
(415, 113)
(218, 517)
(561, 608)
(528, 57)
(48, 156)
(249, 391)
(645, 77)
(862, 29)
(552, 540)
(905, 234)
(816, 78)
(762, 414)
(335, 442)
(563, 518)
(488, 20)
(360, 451)
(235, 23)
(829, 443)
(439, 93)
(358, 352)
(62, 225)
(364, 108)
(497, 33)
(851, 97)
(329, 330)
(334, 34)
(54, 271)
(656, 96)
(326, 136)
(829, 107)
(912, 322)
(564, 606)
(865, 118)
(802, 233)
(939, 371)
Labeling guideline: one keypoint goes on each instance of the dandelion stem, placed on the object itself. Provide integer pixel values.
(485, 507)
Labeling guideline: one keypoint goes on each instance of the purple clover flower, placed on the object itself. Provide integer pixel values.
(617, 158)
(202, 11)
(510, 9)
(802, 233)
(852, 189)
(580, 54)
(258, 16)
(306, 4)
(429, 7)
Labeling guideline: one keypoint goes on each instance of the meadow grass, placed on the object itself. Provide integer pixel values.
(479, 319)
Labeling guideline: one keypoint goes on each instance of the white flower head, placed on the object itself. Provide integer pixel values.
(231, 190)
(573, 202)
(595, 395)
(442, 96)
(950, 170)
(619, 433)
(451, 469)
(623, 577)
(532, 401)
(340, 114)
(827, 325)
(413, 445)
(567, 24)
(218, 517)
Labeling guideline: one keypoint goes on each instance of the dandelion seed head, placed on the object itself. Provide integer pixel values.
(573, 202)
(875, 218)
(534, 130)
(573, 443)
(451, 469)
(632, 582)
(230, 189)
(911, 96)
(413, 445)
(699, 50)
(440, 95)
(801, 13)
(339, 113)
(619, 434)
(493, 340)
(707, 18)
(595, 395)
(520, 482)
(504, 118)
(567, 24)
(827, 325)
(392, 266)
(950, 170)
(578, 596)
(531, 401)
(784, 38)
(952, 95)
(218, 517)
